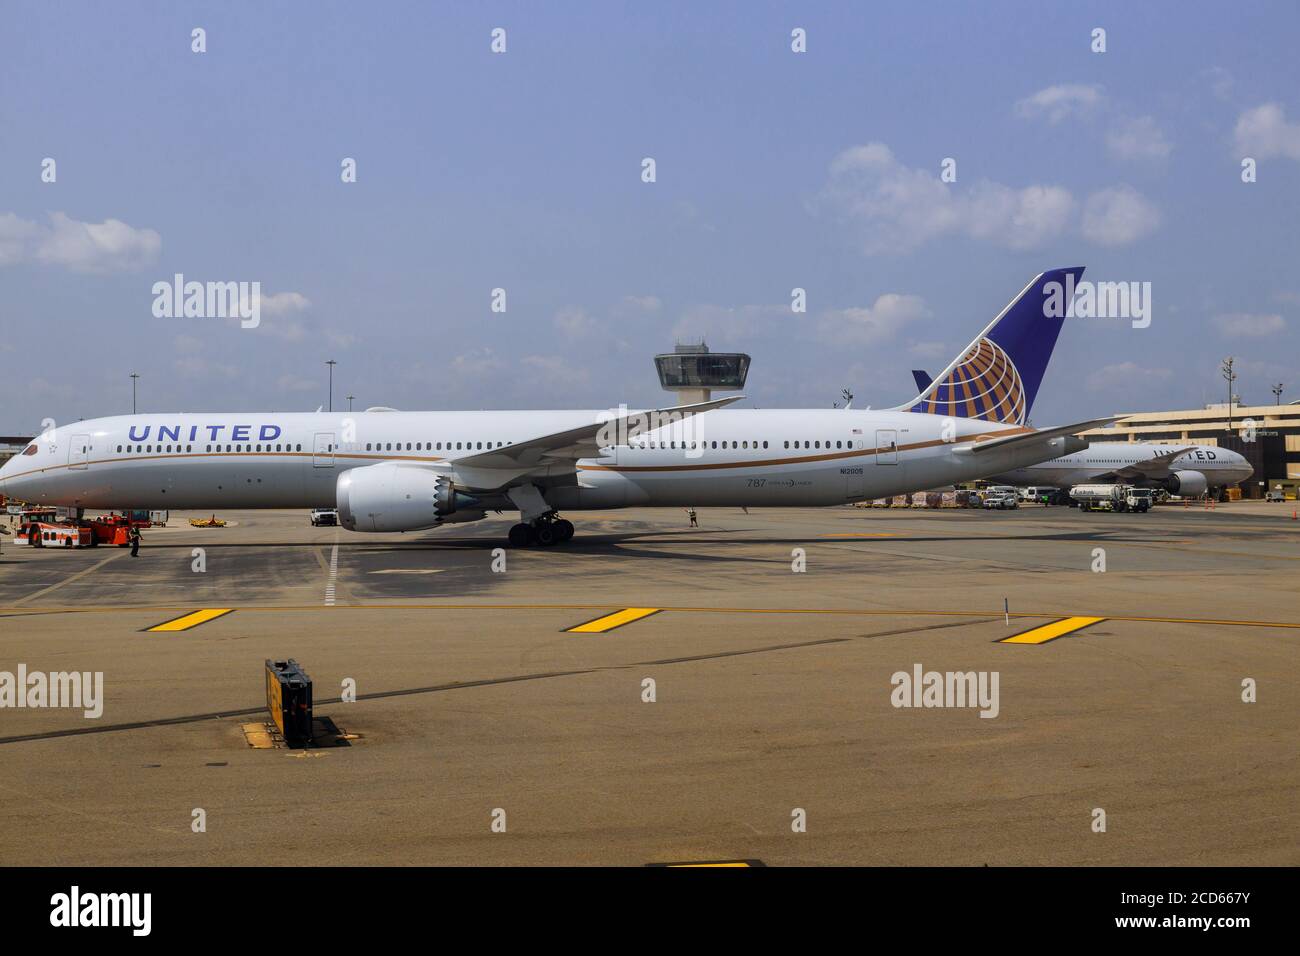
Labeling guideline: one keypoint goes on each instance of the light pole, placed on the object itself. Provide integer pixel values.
(331, 363)
(134, 377)
(1277, 392)
(1229, 376)
(350, 403)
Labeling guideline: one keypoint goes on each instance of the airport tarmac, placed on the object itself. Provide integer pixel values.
(772, 691)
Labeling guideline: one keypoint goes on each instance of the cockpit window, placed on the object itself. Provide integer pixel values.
(30, 449)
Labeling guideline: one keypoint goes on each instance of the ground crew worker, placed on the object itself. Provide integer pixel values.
(135, 541)
(694, 521)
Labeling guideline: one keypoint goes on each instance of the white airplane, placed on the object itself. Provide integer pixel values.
(406, 471)
(1180, 469)
(1186, 469)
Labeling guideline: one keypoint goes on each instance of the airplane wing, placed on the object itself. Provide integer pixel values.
(1042, 435)
(1156, 467)
(541, 456)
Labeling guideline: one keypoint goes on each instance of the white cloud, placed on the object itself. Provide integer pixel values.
(283, 303)
(1138, 138)
(574, 322)
(1221, 81)
(282, 309)
(732, 324)
(1060, 102)
(930, 350)
(340, 340)
(1125, 376)
(554, 371)
(876, 323)
(108, 246)
(902, 207)
(643, 303)
(16, 236)
(1118, 216)
(480, 362)
(1249, 324)
(1263, 132)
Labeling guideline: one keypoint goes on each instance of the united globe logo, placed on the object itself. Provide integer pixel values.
(984, 385)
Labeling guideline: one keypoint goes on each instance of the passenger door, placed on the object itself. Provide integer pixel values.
(78, 452)
(323, 451)
(886, 446)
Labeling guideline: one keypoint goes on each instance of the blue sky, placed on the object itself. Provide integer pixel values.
(522, 171)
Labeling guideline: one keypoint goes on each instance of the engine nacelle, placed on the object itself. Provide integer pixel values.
(1190, 483)
(394, 496)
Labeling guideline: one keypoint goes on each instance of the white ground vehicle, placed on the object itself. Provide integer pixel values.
(1001, 500)
(1112, 498)
(1275, 494)
(1038, 492)
(324, 516)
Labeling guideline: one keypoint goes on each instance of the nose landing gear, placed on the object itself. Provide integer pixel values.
(545, 531)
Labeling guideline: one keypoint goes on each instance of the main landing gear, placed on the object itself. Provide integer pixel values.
(545, 531)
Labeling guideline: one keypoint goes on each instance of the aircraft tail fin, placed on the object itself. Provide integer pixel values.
(996, 377)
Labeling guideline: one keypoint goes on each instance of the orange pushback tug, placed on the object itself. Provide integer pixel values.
(116, 528)
(42, 528)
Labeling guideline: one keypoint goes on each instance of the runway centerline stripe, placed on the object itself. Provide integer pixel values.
(609, 622)
(193, 619)
(1050, 632)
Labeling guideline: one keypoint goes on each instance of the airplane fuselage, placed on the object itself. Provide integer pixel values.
(735, 457)
(1100, 460)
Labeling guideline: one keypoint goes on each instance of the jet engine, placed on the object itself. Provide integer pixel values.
(1188, 483)
(394, 496)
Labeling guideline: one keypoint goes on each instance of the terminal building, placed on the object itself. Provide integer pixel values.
(11, 445)
(1268, 436)
(695, 373)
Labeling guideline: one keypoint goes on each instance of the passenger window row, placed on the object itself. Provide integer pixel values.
(179, 449)
(652, 444)
(696, 445)
(430, 446)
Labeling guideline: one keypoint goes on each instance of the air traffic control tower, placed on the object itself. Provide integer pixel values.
(694, 373)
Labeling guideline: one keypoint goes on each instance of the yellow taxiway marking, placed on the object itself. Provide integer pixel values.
(193, 619)
(743, 864)
(38, 611)
(610, 621)
(1050, 632)
(862, 534)
(409, 571)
